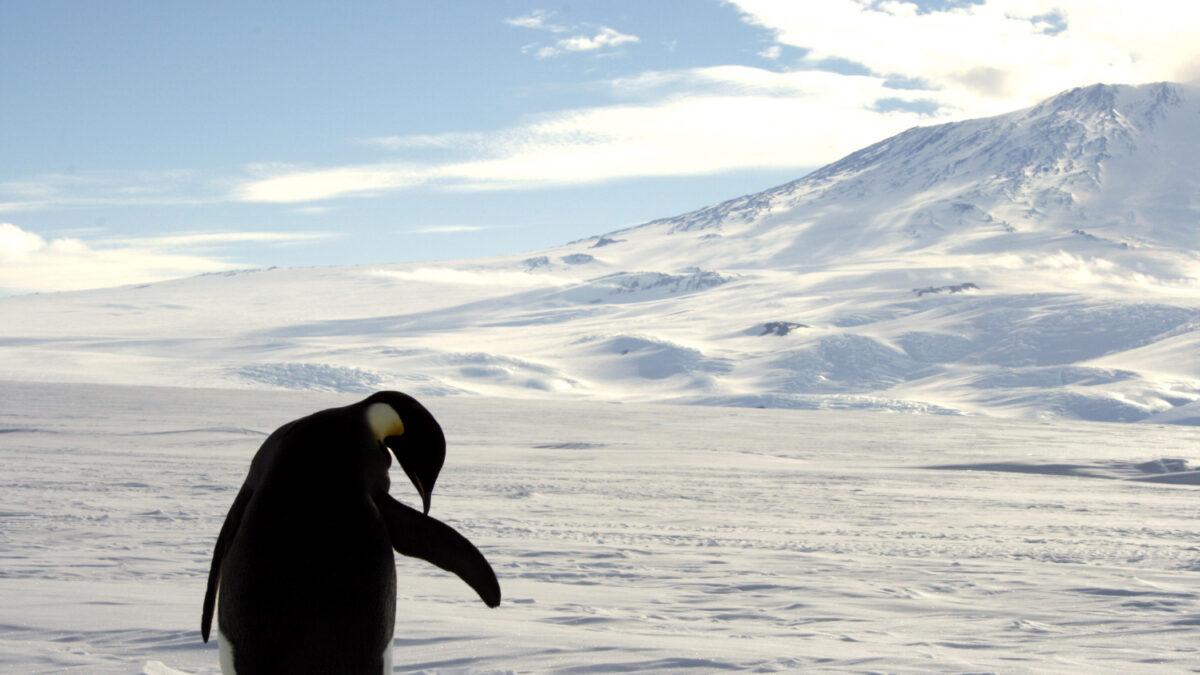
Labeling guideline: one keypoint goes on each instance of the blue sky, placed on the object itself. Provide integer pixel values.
(147, 140)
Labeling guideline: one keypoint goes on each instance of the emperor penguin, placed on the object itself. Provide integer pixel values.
(303, 567)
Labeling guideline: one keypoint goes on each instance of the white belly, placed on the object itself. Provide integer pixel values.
(226, 653)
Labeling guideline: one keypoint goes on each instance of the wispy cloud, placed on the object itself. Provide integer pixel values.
(584, 38)
(211, 240)
(447, 229)
(304, 185)
(772, 53)
(178, 187)
(689, 122)
(538, 19)
(436, 141)
(603, 38)
(30, 262)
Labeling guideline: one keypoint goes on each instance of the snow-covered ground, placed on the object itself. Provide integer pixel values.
(1040, 264)
(633, 537)
(1007, 277)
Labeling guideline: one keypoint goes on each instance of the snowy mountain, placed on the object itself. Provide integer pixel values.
(1042, 263)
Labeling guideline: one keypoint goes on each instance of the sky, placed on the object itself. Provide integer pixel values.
(144, 140)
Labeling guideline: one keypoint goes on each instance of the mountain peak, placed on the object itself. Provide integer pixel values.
(1043, 171)
(1141, 104)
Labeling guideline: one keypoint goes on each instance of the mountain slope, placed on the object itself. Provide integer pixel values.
(1039, 263)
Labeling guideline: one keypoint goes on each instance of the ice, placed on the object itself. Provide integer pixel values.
(633, 537)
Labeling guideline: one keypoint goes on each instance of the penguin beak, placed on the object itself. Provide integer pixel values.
(420, 463)
(425, 495)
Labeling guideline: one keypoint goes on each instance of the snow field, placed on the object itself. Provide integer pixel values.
(1041, 264)
(633, 537)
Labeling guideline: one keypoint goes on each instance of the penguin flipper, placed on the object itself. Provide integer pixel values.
(228, 530)
(416, 535)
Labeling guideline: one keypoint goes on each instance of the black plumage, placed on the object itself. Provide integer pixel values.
(304, 563)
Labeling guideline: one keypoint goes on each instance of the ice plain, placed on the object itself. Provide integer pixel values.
(634, 537)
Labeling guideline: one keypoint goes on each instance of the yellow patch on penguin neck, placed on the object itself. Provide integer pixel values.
(384, 421)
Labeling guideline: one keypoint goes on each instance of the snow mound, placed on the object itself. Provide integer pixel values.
(1187, 415)
(479, 368)
(628, 287)
(844, 363)
(1050, 377)
(929, 347)
(653, 359)
(1058, 336)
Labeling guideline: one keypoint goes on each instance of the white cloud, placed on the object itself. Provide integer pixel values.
(177, 187)
(692, 122)
(292, 186)
(17, 244)
(208, 240)
(447, 229)
(438, 141)
(604, 38)
(538, 19)
(966, 61)
(992, 57)
(586, 38)
(32, 263)
(312, 210)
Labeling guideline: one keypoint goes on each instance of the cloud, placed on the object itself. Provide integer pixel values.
(435, 141)
(31, 263)
(299, 185)
(177, 187)
(690, 122)
(772, 53)
(312, 210)
(17, 244)
(604, 38)
(995, 55)
(538, 19)
(907, 67)
(447, 229)
(210, 240)
(587, 38)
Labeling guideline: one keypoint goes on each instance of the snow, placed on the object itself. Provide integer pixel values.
(970, 268)
(634, 537)
(994, 526)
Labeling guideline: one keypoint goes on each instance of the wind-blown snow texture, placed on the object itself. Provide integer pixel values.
(1039, 264)
(633, 537)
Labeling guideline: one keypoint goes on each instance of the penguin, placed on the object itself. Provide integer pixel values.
(303, 566)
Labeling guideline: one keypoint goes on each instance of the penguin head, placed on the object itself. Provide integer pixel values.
(406, 428)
